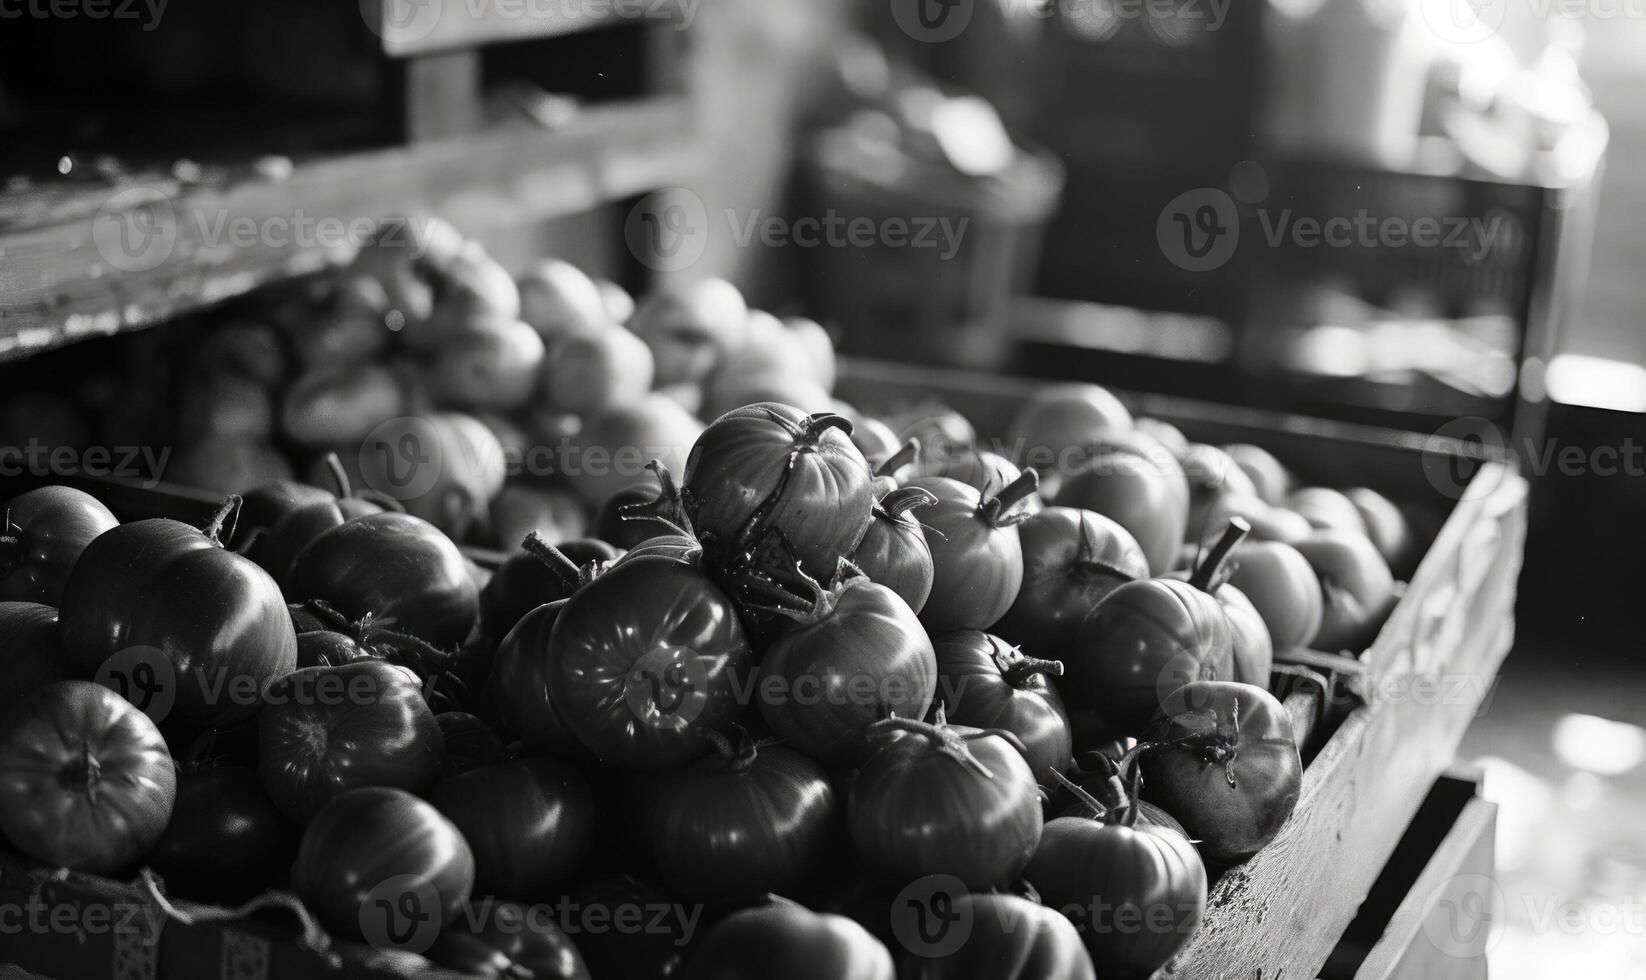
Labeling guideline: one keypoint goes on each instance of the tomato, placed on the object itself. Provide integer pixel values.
(588, 373)
(1061, 420)
(530, 823)
(1251, 645)
(1224, 763)
(226, 841)
(936, 799)
(857, 655)
(1269, 523)
(218, 621)
(1327, 510)
(86, 782)
(444, 467)
(1211, 474)
(1357, 587)
(33, 651)
(1006, 938)
(1093, 790)
(941, 434)
(391, 566)
(557, 299)
(1136, 893)
(894, 551)
(470, 743)
(382, 865)
(691, 326)
(339, 404)
(1071, 560)
(45, 532)
(1136, 481)
(489, 363)
(519, 685)
(644, 660)
(623, 521)
(977, 554)
(782, 939)
(1280, 584)
(325, 730)
(985, 683)
(1269, 477)
(979, 469)
(1387, 528)
(535, 575)
(743, 822)
(872, 437)
(767, 485)
(509, 941)
(814, 339)
(521, 508)
(263, 505)
(349, 329)
(610, 452)
(325, 648)
(280, 543)
(653, 949)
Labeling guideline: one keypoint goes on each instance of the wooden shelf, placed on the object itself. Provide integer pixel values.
(418, 27)
(64, 275)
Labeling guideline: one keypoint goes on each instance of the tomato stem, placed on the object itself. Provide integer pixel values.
(12, 548)
(1212, 565)
(818, 425)
(569, 572)
(733, 758)
(83, 773)
(898, 502)
(1019, 671)
(906, 455)
(220, 518)
(1001, 510)
(942, 739)
(669, 507)
(1099, 811)
(339, 477)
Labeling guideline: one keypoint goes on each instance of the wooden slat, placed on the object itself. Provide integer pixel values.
(56, 286)
(415, 27)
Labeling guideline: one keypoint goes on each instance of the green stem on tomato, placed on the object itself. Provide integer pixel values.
(898, 502)
(568, 571)
(906, 454)
(1021, 670)
(940, 737)
(220, 518)
(1204, 575)
(339, 477)
(999, 510)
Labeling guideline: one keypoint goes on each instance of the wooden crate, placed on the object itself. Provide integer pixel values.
(1281, 914)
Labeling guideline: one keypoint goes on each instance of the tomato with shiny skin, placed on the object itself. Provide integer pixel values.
(1092, 789)
(509, 941)
(374, 853)
(326, 730)
(1071, 559)
(620, 522)
(977, 554)
(86, 782)
(1007, 938)
(519, 685)
(768, 480)
(1356, 586)
(644, 660)
(984, 682)
(264, 505)
(857, 655)
(325, 648)
(470, 743)
(279, 545)
(162, 584)
(394, 567)
(746, 821)
(533, 576)
(936, 799)
(529, 822)
(33, 656)
(782, 939)
(1225, 765)
(1137, 482)
(894, 551)
(1279, 582)
(226, 841)
(45, 532)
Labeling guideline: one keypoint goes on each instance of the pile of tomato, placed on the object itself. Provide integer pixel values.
(873, 708)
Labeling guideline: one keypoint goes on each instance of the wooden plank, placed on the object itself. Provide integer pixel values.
(416, 27)
(443, 97)
(120, 258)
(1459, 873)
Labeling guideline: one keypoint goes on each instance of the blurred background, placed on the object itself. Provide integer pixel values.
(1415, 214)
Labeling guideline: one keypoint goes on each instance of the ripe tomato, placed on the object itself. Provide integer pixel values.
(1136, 893)
(894, 551)
(470, 743)
(509, 941)
(262, 507)
(280, 542)
(85, 779)
(1212, 474)
(325, 648)
(1062, 420)
(519, 685)
(1006, 938)
(379, 864)
(1136, 481)
(394, 567)
(977, 555)
(1071, 560)
(226, 840)
(1225, 765)
(325, 730)
(935, 799)
(1356, 584)
(621, 521)
(652, 950)
(217, 618)
(782, 939)
(855, 657)
(530, 823)
(767, 480)
(45, 531)
(644, 660)
(1280, 584)
(537, 574)
(744, 822)
(33, 648)
(985, 683)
